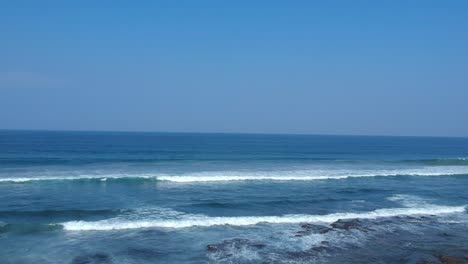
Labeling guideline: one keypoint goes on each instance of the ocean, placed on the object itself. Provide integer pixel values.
(128, 197)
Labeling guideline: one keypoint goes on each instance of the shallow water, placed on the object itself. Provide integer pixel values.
(106, 197)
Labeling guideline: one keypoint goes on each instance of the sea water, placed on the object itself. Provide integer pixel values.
(121, 197)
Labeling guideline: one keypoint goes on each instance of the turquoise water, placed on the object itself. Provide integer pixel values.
(107, 197)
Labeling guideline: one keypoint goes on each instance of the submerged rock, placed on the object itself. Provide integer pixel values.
(348, 224)
(308, 229)
(443, 259)
(212, 248)
(92, 259)
(236, 243)
(236, 251)
(452, 260)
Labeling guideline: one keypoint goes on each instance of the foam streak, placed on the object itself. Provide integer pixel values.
(226, 176)
(206, 221)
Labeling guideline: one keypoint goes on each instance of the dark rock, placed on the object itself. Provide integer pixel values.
(92, 259)
(316, 228)
(452, 260)
(309, 229)
(320, 249)
(236, 243)
(212, 248)
(407, 217)
(348, 224)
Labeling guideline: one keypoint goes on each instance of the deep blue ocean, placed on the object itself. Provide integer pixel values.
(115, 197)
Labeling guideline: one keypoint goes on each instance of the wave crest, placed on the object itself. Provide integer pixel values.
(218, 176)
(185, 221)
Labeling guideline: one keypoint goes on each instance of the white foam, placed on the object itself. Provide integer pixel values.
(74, 178)
(280, 175)
(206, 221)
(245, 178)
(408, 200)
(311, 175)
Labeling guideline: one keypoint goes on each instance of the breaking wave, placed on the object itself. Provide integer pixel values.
(180, 220)
(296, 175)
(102, 178)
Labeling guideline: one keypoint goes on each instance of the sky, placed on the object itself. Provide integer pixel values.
(309, 67)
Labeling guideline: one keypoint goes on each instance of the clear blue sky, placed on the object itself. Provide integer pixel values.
(320, 67)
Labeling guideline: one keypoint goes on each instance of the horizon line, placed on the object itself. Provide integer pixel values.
(229, 133)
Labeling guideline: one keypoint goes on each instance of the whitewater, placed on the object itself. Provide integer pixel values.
(108, 197)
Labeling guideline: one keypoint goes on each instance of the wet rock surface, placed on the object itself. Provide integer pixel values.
(349, 224)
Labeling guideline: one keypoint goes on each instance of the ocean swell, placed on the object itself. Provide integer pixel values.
(185, 221)
(225, 176)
